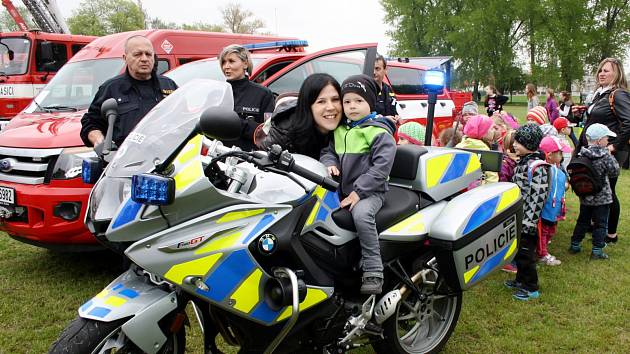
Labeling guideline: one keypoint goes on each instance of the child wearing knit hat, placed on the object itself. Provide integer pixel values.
(411, 133)
(537, 115)
(363, 149)
(533, 182)
(479, 134)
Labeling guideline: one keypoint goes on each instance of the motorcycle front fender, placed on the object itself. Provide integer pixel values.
(132, 296)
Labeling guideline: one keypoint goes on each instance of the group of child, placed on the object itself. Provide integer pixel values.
(535, 157)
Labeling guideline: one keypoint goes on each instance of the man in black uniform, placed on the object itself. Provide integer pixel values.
(137, 91)
(386, 99)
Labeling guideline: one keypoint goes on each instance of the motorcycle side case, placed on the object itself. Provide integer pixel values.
(477, 232)
(437, 172)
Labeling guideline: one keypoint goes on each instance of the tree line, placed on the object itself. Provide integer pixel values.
(103, 17)
(491, 40)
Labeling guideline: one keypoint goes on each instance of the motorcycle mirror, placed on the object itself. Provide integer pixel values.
(108, 107)
(220, 123)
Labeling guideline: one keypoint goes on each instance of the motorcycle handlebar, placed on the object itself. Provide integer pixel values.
(325, 182)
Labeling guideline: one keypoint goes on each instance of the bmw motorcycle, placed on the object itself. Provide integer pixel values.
(256, 244)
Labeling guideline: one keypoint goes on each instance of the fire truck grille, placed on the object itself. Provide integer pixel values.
(27, 166)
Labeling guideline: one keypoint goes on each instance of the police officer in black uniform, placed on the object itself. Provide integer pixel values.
(137, 91)
(386, 99)
(252, 102)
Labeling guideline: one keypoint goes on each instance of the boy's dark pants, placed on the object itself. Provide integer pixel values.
(599, 215)
(364, 216)
(526, 257)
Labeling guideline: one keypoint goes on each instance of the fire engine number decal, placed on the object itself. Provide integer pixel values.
(7, 91)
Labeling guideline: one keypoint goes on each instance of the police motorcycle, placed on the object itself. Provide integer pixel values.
(256, 244)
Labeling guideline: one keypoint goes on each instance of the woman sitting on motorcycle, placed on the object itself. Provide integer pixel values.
(302, 126)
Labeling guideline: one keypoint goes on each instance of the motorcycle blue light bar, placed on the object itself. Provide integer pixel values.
(276, 44)
(434, 80)
(91, 170)
(152, 189)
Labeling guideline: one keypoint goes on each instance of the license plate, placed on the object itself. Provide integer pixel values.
(7, 196)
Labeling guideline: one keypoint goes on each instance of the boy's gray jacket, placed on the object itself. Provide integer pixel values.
(607, 167)
(364, 155)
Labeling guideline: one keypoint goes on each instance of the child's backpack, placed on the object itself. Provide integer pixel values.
(583, 176)
(554, 206)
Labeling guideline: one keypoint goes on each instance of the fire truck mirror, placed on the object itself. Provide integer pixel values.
(11, 54)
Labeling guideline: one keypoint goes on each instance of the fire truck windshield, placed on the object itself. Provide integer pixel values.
(75, 85)
(14, 54)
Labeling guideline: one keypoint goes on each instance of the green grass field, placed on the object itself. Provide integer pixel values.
(584, 306)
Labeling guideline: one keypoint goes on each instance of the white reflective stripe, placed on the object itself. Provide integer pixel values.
(416, 109)
(20, 90)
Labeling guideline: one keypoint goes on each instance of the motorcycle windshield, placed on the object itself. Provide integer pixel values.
(166, 126)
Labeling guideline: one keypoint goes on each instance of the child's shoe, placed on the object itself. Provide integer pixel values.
(372, 283)
(513, 284)
(524, 295)
(550, 260)
(610, 240)
(509, 268)
(598, 254)
(575, 248)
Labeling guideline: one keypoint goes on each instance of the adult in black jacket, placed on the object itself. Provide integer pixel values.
(137, 91)
(251, 100)
(612, 81)
(385, 98)
(302, 126)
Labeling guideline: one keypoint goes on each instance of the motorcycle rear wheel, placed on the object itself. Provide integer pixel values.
(89, 336)
(421, 326)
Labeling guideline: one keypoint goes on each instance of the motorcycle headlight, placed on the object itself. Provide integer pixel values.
(70, 162)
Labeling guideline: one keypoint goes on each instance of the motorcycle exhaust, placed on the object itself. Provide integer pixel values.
(387, 304)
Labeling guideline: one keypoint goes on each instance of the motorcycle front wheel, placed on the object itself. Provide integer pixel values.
(89, 336)
(421, 325)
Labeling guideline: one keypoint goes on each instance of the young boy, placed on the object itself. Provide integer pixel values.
(553, 148)
(362, 152)
(534, 190)
(596, 207)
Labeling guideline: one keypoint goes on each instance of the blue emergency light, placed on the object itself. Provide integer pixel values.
(434, 80)
(152, 189)
(295, 43)
(91, 170)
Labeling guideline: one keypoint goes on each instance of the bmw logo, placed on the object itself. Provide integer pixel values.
(267, 244)
(6, 165)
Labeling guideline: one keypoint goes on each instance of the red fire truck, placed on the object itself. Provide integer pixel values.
(42, 197)
(30, 59)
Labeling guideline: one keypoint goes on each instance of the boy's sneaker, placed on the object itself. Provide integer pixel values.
(610, 240)
(372, 283)
(524, 295)
(513, 284)
(575, 248)
(509, 268)
(550, 260)
(598, 254)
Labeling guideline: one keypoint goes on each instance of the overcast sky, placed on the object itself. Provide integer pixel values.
(323, 23)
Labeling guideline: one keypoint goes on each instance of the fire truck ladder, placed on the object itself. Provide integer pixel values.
(47, 16)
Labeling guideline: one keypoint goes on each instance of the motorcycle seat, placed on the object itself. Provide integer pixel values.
(399, 204)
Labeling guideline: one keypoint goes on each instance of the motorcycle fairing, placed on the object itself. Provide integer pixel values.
(215, 248)
(416, 227)
(124, 297)
(477, 232)
(320, 219)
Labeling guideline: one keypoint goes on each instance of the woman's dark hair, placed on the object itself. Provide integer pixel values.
(309, 91)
